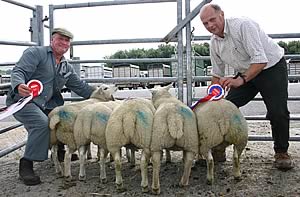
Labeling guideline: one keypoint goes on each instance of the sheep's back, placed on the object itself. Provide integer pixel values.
(168, 116)
(216, 119)
(131, 122)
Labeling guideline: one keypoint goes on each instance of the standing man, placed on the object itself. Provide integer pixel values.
(48, 65)
(261, 67)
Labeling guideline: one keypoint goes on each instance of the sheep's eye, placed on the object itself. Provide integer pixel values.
(105, 88)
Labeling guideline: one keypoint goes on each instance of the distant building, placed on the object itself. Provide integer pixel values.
(294, 67)
(96, 72)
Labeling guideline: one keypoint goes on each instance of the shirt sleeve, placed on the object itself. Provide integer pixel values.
(218, 66)
(250, 35)
(25, 67)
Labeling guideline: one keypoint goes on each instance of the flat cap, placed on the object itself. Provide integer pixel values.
(63, 31)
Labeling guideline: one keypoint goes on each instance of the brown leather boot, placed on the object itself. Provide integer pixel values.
(283, 161)
(27, 174)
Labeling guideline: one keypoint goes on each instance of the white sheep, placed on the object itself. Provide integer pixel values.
(220, 124)
(131, 124)
(90, 126)
(61, 123)
(174, 128)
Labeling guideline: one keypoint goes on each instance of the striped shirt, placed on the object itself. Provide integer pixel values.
(244, 43)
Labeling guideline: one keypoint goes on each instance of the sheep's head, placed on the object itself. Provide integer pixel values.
(104, 92)
(161, 92)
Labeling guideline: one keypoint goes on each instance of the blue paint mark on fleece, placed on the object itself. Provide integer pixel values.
(102, 117)
(65, 115)
(143, 117)
(236, 119)
(186, 112)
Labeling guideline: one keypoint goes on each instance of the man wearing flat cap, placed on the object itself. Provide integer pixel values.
(48, 65)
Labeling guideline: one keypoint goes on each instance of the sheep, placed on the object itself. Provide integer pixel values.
(131, 124)
(89, 126)
(61, 121)
(174, 128)
(220, 124)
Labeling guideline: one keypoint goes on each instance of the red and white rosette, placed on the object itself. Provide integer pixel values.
(214, 92)
(36, 88)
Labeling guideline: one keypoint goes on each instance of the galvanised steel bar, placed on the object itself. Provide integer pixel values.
(10, 128)
(108, 3)
(269, 138)
(189, 66)
(208, 78)
(20, 4)
(18, 43)
(290, 98)
(141, 60)
(12, 148)
(183, 23)
(264, 118)
(130, 79)
(275, 36)
(119, 41)
(179, 53)
(4, 85)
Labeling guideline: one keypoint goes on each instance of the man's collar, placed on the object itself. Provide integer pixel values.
(225, 32)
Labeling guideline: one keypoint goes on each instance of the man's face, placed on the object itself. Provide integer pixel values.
(60, 44)
(213, 20)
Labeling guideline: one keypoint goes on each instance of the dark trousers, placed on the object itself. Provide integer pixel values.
(272, 84)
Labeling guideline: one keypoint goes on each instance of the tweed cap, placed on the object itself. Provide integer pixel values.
(63, 31)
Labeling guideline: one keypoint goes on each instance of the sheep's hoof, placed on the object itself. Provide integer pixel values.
(209, 182)
(89, 157)
(120, 188)
(237, 179)
(156, 191)
(82, 178)
(182, 185)
(59, 174)
(103, 180)
(145, 189)
(68, 178)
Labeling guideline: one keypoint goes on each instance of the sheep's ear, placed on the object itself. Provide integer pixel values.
(169, 86)
(153, 91)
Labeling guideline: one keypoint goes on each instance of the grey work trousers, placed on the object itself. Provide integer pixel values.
(35, 122)
(272, 84)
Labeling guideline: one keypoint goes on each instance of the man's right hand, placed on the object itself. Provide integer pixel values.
(24, 90)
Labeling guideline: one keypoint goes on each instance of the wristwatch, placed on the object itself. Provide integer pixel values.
(240, 75)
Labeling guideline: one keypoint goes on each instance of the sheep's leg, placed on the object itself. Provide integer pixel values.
(82, 155)
(58, 168)
(128, 156)
(118, 168)
(132, 157)
(188, 162)
(103, 155)
(236, 163)
(156, 169)
(144, 170)
(67, 164)
(210, 167)
(89, 151)
(168, 156)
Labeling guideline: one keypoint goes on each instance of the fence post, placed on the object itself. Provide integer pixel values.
(37, 27)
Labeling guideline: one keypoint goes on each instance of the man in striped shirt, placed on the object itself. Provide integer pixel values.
(261, 68)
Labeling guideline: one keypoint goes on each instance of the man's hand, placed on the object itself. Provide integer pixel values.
(24, 90)
(231, 82)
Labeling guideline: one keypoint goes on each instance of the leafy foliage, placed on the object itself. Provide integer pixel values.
(202, 49)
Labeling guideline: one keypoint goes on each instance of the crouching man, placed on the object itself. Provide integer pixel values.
(48, 65)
